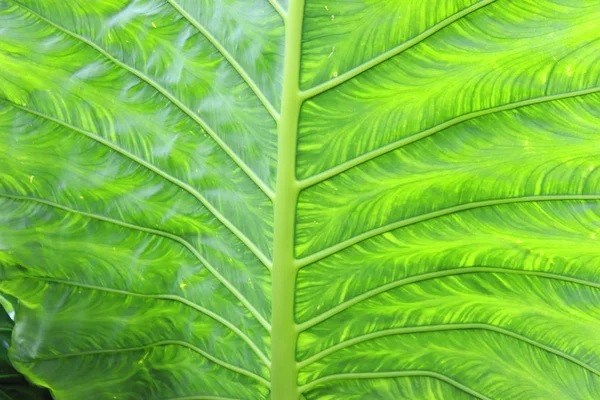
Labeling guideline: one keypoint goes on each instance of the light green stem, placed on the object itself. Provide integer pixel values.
(284, 334)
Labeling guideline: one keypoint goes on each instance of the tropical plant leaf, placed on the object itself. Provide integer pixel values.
(351, 200)
(13, 386)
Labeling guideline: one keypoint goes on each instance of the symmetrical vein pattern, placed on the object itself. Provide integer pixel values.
(360, 199)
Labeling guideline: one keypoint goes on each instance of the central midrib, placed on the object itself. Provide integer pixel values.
(284, 331)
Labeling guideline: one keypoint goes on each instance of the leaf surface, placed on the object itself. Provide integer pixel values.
(13, 386)
(260, 199)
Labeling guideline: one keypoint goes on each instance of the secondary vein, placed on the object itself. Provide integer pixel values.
(442, 328)
(181, 343)
(184, 186)
(203, 310)
(234, 63)
(397, 374)
(316, 90)
(319, 255)
(167, 235)
(277, 7)
(239, 162)
(434, 275)
(338, 169)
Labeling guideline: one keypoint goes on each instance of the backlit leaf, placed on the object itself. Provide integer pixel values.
(360, 199)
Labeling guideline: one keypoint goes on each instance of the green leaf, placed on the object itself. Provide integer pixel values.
(205, 199)
(13, 386)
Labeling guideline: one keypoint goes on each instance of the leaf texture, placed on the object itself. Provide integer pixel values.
(13, 386)
(302, 200)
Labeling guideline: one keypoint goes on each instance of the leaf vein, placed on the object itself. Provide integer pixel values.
(167, 235)
(319, 255)
(179, 299)
(240, 70)
(442, 328)
(240, 163)
(434, 275)
(397, 374)
(275, 4)
(181, 343)
(338, 169)
(316, 90)
(182, 185)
